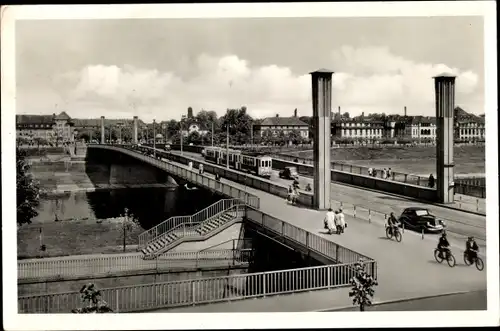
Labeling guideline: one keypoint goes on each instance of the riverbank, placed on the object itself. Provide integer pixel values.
(74, 238)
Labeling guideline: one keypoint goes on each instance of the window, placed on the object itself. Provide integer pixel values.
(422, 212)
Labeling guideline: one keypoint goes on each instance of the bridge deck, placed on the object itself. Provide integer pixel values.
(461, 223)
(406, 269)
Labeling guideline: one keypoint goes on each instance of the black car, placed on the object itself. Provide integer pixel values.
(418, 219)
(289, 173)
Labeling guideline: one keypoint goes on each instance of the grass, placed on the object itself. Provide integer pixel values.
(73, 238)
(414, 160)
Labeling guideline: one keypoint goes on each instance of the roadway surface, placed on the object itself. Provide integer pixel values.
(405, 270)
(459, 224)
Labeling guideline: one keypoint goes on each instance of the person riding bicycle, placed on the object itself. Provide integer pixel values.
(443, 245)
(392, 222)
(308, 188)
(471, 249)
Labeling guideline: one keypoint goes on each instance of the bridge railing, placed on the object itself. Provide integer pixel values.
(188, 174)
(164, 227)
(111, 264)
(200, 291)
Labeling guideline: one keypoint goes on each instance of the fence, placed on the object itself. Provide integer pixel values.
(197, 231)
(190, 175)
(110, 265)
(335, 252)
(199, 291)
(464, 186)
(209, 212)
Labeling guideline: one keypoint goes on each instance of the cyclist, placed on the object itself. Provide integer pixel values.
(308, 188)
(443, 245)
(471, 249)
(392, 222)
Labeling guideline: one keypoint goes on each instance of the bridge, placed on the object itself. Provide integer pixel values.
(406, 269)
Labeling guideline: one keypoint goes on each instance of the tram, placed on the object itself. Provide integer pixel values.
(259, 165)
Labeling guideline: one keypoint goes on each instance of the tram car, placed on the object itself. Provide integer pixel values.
(259, 165)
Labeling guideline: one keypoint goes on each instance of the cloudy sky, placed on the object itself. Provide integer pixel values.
(156, 68)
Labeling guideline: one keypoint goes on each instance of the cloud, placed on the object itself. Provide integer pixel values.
(370, 79)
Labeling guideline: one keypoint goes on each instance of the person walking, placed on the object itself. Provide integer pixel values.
(389, 173)
(431, 181)
(330, 221)
(370, 171)
(342, 222)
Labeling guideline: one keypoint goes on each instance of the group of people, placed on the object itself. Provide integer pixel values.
(335, 221)
(386, 173)
(293, 192)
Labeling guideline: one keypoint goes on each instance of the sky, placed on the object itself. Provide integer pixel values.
(157, 68)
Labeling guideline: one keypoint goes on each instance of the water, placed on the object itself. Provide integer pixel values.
(150, 205)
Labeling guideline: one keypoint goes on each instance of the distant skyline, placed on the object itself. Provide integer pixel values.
(157, 68)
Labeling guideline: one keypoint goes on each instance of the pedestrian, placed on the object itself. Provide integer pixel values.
(374, 172)
(217, 177)
(342, 221)
(190, 165)
(384, 173)
(389, 173)
(370, 171)
(200, 168)
(330, 221)
(431, 181)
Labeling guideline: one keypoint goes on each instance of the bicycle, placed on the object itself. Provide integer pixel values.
(450, 259)
(393, 232)
(477, 260)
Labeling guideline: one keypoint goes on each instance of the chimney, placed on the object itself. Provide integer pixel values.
(277, 115)
(405, 111)
(339, 109)
(295, 113)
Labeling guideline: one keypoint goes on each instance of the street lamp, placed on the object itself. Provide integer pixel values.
(154, 138)
(182, 119)
(227, 145)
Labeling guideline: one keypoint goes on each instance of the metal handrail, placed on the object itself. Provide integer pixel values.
(189, 229)
(166, 226)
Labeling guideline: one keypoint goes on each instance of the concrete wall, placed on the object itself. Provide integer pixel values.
(384, 185)
(233, 232)
(137, 278)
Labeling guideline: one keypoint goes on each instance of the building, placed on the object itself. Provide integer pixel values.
(357, 128)
(419, 128)
(281, 125)
(50, 128)
(468, 127)
(189, 127)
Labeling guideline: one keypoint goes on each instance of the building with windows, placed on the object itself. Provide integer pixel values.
(50, 128)
(189, 127)
(277, 125)
(468, 127)
(358, 128)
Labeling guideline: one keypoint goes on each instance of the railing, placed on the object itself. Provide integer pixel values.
(333, 251)
(188, 231)
(199, 291)
(190, 175)
(161, 229)
(462, 186)
(51, 268)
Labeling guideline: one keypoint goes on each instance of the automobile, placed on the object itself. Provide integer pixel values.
(289, 173)
(419, 218)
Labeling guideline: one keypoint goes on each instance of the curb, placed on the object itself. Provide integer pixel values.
(379, 303)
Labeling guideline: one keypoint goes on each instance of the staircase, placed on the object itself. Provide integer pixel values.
(197, 227)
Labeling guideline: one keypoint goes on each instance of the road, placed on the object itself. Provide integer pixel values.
(405, 269)
(460, 224)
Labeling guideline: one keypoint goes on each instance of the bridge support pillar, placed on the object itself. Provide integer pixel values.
(103, 139)
(322, 104)
(445, 106)
(134, 136)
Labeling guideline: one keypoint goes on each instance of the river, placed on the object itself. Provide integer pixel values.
(149, 205)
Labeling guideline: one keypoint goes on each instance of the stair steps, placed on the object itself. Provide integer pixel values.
(197, 230)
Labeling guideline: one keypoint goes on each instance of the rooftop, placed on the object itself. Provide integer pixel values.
(282, 121)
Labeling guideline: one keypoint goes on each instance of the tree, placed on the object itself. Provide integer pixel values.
(194, 138)
(28, 190)
(346, 115)
(128, 224)
(362, 287)
(95, 304)
(240, 125)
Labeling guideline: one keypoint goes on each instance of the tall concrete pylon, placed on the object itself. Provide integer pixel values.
(322, 105)
(134, 137)
(103, 137)
(444, 85)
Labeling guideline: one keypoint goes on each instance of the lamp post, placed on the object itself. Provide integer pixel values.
(110, 128)
(182, 134)
(212, 134)
(227, 146)
(154, 138)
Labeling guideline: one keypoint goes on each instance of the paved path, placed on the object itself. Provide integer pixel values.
(461, 223)
(406, 269)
